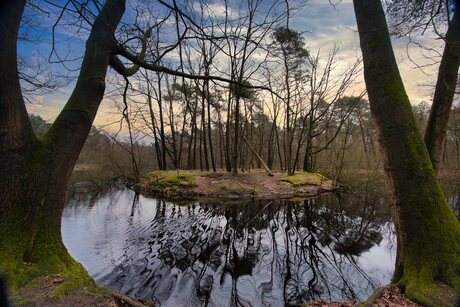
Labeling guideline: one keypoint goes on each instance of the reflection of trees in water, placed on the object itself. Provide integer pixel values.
(89, 192)
(254, 253)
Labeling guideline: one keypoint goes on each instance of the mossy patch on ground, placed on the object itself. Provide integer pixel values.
(233, 187)
(158, 180)
(304, 178)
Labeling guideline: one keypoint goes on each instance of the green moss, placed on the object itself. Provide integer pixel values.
(432, 245)
(432, 257)
(74, 280)
(304, 178)
(31, 246)
(19, 274)
(158, 180)
(419, 162)
(13, 243)
(47, 256)
(432, 254)
(395, 88)
(433, 294)
(232, 187)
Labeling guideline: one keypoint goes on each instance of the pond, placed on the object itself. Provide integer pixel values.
(249, 253)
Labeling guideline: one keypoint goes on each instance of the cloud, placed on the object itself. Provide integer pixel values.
(322, 25)
(47, 110)
(325, 25)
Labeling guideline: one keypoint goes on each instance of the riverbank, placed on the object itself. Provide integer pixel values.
(256, 184)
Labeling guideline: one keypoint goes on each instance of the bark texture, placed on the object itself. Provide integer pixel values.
(435, 133)
(428, 233)
(34, 172)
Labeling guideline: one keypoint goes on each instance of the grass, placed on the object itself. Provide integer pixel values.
(303, 179)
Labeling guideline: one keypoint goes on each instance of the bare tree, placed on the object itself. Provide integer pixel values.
(289, 47)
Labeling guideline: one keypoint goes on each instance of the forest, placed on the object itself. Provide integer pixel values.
(195, 140)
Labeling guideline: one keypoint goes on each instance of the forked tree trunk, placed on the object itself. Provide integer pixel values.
(34, 173)
(428, 233)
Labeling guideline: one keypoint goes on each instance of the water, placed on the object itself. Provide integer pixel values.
(252, 253)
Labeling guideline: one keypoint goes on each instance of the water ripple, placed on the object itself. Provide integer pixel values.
(256, 253)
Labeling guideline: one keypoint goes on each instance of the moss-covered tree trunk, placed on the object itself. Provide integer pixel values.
(428, 233)
(435, 133)
(34, 172)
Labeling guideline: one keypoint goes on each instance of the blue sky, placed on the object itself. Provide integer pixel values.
(323, 26)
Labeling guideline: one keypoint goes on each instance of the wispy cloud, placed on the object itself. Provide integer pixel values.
(325, 25)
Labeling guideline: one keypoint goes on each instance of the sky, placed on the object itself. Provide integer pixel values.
(328, 25)
(322, 24)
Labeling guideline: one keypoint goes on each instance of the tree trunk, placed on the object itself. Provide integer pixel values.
(162, 123)
(172, 126)
(182, 133)
(258, 157)
(34, 173)
(204, 135)
(211, 149)
(261, 143)
(435, 132)
(228, 160)
(270, 146)
(125, 112)
(220, 131)
(192, 141)
(236, 136)
(278, 146)
(308, 158)
(287, 141)
(428, 233)
(154, 124)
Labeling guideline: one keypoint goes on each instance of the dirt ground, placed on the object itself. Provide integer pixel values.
(390, 297)
(268, 186)
(35, 294)
(256, 183)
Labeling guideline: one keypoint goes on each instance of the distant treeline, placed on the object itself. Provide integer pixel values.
(355, 147)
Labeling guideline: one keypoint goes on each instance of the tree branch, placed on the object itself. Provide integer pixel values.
(159, 68)
(119, 67)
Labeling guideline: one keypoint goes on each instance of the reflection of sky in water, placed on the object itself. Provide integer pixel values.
(377, 258)
(256, 253)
